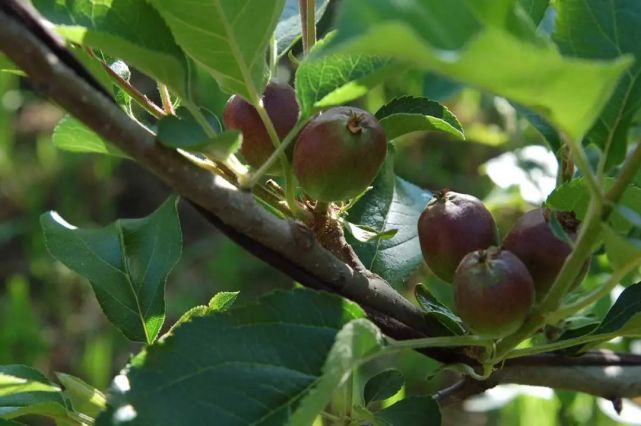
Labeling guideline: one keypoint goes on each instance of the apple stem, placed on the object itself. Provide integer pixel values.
(354, 124)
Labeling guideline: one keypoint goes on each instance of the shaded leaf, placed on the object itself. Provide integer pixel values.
(355, 343)
(437, 310)
(393, 203)
(366, 234)
(228, 38)
(337, 79)
(130, 30)
(454, 37)
(624, 317)
(127, 264)
(412, 411)
(597, 29)
(382, 386)
(71, 135)
(410, 114)
(289, 29)
(535, 9)
(184, 131)
(547, 131)
(620, 250)
(249, 365)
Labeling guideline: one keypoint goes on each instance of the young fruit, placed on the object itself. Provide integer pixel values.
(279, 99)
(532, 241)
(493, 292)
(451, 226)
(338, 154)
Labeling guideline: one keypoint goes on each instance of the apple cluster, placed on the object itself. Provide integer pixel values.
(495, 287)
(337, 155)
(335, 141)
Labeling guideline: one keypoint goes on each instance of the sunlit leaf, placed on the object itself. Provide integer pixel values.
(127, 264)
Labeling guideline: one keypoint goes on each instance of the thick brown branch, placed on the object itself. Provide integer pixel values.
(286, 244)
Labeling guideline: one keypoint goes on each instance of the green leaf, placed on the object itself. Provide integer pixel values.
(437, 310)
(597, 29)
(250, 365)
(24, 391)
(620, 250)
(183, 130)
(412, 411)
(127, 264)
(575, 196)
(228, 38)
(454, 37)
(550, 134)
(84, 398)
(355, 343)
(535, 9)
(384, 385)
(130, 30)
(624, 317)
(393, 203)
(71, 135)
(337, 79)
(366, 234)
(410, 114)
(288, 29)
(221, 302)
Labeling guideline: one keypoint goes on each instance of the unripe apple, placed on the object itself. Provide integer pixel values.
(493, 292)
(338, 154)
(279, 100)
(532, 241)
(451, 226)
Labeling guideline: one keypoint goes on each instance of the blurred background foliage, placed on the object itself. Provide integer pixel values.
(49, 318)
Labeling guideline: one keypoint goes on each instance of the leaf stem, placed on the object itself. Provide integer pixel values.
(598, 293)
(273, 55)
(581, 160)
(278, 153)
(349, 399)
(308, 23)
(166, 99)
(555, 346)
(439, 342)
(628, 171)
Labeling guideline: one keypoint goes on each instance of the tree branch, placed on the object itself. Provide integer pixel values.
(601, 373)
(288, 245)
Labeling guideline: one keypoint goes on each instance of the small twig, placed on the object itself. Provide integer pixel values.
(136, 94)
(308, 23)
(597, 294)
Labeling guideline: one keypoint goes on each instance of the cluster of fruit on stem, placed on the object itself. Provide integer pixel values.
(495, 287)
(335, 157)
